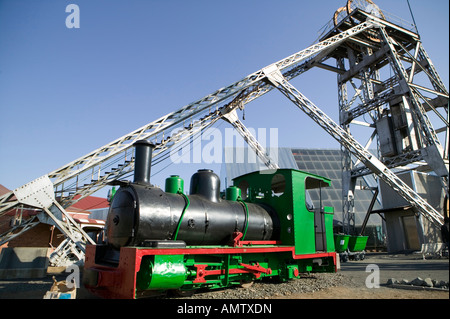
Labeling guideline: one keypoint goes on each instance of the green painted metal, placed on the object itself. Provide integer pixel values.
(174, 184)
(161, 272)
(186, 199)
(341, 242)
(329, 216)
(357, 243)
(246, 218)
(285, 191)
(233, 193)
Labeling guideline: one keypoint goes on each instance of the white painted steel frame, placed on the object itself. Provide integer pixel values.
(117, 155)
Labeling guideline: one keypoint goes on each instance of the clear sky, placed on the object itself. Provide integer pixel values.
(65, 92)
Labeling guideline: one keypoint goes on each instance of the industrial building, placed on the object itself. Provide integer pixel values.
(89, 212)
(42, 239)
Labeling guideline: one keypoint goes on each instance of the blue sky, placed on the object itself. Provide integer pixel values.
(65, 92)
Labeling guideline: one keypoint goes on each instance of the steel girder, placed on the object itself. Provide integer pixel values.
(116, 153)
(115, 160)
(417, 144)
(344, 138)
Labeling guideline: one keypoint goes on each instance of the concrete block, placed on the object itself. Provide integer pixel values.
(23, 262)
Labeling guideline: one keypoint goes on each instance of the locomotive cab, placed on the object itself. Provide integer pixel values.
(296, 196)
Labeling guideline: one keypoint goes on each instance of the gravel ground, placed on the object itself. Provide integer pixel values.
(268, 289)
(35, 289)
(349, 283)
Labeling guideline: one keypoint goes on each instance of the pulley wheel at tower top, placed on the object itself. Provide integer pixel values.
(365, 5)
(339, 15)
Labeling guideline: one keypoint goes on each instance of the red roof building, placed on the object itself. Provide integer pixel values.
(45, 235)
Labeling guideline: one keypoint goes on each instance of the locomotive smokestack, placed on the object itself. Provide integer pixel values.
(142, 161)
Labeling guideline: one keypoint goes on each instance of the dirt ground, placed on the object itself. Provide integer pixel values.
(398, 266)
(365, 293)
(35, 289)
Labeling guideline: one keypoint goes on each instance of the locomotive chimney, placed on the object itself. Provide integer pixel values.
(142, 161)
